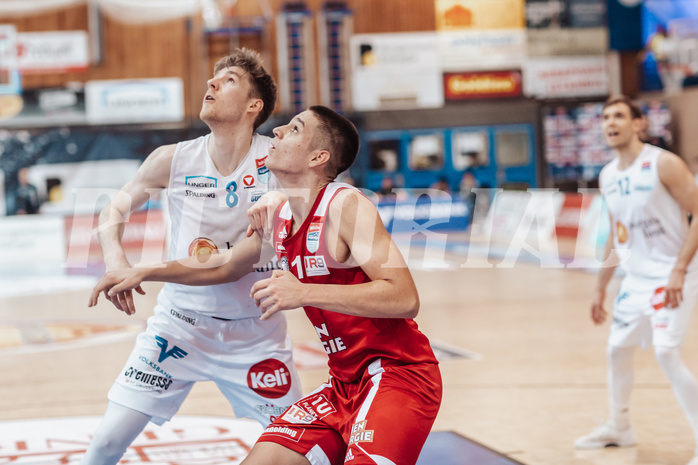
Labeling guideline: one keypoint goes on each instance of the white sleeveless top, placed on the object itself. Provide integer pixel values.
(648, 224)
(208, 214)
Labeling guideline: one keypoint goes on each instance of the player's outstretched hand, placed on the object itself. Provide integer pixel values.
(282, 291)
(117, 286)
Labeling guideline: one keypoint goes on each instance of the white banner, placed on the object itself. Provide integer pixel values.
(31, 240)
(134, 101)
(53, 51)
(482, 50)
(396, 71)
(566, 77)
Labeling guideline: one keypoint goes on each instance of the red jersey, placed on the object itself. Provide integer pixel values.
(352, 342)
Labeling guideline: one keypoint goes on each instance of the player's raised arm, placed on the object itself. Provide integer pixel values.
(152, 176)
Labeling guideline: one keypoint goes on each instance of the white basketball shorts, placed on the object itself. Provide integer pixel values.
(250, 361)
(641, 318)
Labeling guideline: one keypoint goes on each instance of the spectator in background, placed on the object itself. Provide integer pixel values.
(646, 137)
(465, 189)
(441, 184)
(28, 201)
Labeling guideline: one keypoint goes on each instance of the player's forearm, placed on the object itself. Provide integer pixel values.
(203, 270)
(375, 299)
(688, 250)
(192, 271)
(110, 232)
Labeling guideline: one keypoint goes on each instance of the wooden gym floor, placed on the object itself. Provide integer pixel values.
(538, 380)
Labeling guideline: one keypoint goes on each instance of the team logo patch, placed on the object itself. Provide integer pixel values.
(312, 240)
(657, 299)
(202, 246)
(248, 181)
(262, 170)
(269, 378)
(645, 166)
(316, 266)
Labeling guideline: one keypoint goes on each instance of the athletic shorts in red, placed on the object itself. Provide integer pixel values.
(387, 414)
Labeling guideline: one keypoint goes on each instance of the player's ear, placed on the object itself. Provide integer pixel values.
(319, 157)
(256, 105)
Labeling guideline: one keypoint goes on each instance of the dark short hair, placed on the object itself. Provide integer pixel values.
(635, 110)
(263, 85)
(337, 135)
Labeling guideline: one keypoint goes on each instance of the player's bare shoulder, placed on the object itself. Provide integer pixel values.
(155, 170)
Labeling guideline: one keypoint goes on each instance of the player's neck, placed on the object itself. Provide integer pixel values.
(301, 199)
(228, 148)
(628, 153)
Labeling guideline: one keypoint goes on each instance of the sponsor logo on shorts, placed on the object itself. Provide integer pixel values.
(317, 405)
(271, 410)
(622, 297)
(174, 352)
(359, 433)
(283, 431)
(269, 378)
(184, 318)
(154, 366)
(143, 379)
(298, 416)
(657, 299)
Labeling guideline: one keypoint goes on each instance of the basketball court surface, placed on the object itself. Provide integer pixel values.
(524, 371)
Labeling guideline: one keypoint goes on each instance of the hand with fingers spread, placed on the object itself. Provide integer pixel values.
(261, 214)
(283, 291)
(117, 286)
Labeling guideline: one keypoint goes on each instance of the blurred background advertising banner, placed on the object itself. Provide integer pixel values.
(482, 50)
(52, 52)
(396, 71)
(482, 84)
(564, 77)
(134, 101)
(479, 14)
(10, 84)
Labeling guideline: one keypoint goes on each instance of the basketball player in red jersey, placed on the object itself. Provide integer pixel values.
(342, 267)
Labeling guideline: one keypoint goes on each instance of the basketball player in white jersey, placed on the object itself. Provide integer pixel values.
(649, 193)
(209, 333)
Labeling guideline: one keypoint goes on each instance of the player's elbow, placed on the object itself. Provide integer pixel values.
(411, 305)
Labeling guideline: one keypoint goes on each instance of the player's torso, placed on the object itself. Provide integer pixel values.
(208, 214)
(351, 342)
(648, 224)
